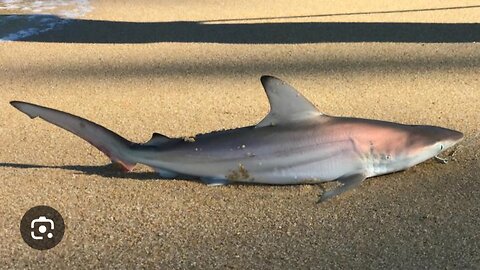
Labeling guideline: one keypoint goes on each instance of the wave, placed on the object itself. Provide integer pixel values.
(21, 18)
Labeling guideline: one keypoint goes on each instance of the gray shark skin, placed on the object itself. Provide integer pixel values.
(293, 144)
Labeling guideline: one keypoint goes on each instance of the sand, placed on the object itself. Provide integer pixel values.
(163, 80)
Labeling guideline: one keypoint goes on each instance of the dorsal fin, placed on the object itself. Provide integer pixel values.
(286, 104)
(158, 139)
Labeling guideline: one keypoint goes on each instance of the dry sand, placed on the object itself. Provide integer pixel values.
(426, 217)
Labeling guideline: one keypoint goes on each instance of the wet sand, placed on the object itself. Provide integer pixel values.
(168, 82)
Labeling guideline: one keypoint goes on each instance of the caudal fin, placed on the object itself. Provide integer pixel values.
(105, 140)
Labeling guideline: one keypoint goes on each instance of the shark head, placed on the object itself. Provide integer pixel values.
(414, 145)
(426, 142)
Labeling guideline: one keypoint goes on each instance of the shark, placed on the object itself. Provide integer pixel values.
(294, 144)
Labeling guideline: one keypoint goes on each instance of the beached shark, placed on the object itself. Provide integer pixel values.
(294, 144)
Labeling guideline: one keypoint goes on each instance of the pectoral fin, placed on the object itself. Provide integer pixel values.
(348, 183)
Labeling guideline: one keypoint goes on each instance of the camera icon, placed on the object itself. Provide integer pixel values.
(41, 225)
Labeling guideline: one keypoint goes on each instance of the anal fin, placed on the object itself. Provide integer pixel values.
(214, 182)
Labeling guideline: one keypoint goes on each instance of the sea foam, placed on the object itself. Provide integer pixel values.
(20, 18)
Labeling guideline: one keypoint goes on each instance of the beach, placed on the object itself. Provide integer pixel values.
(182, 68)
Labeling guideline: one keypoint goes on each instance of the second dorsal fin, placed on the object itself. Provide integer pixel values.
(286, 104)
(158, 139)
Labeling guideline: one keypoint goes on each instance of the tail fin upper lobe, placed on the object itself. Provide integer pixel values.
(105, 140)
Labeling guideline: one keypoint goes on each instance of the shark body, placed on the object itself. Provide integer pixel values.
(293, 144)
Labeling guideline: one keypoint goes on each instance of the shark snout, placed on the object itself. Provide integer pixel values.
(432, 140)
(456, 135)
(451, 137)
(434, 135)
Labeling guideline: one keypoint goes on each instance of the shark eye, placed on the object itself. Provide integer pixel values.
(441, 147)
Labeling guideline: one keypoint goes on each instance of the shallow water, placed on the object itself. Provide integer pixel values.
(20, 19)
